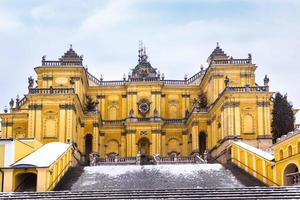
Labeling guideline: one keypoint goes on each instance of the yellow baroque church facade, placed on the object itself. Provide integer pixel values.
(145, 112)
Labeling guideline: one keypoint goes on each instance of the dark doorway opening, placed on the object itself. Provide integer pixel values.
(88, 145)
(289, 172)
(26, 182)
(144, 149)
(202, 142)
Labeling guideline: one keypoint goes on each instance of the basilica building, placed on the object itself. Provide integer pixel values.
(144, 112)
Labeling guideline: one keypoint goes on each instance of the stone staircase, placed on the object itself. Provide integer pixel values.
(201, 193)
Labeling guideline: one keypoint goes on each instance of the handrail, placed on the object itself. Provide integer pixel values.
(255, 171)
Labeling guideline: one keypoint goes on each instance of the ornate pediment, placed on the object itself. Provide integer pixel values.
(144, 70)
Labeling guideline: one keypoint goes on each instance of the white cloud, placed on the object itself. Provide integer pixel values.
(8, 22)
(42, 12)
(112, 14)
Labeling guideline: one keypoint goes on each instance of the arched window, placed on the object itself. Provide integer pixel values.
(280, 154)
(290, 151)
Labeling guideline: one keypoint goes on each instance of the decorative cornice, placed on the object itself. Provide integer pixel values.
(208, 122)
(124, 95)
(217, 75)
(95, 124)
(230, 105)
(163, 133)
(156, 92)
(35, 107)
(101, 96)
(185, 95)
(6, 124)
(263, 104)
(47, 78)
(82, 125)
(185, 132)
(130, 131)
(163, 95)
(195, 123)
(213, 118)
(75, 78)
(156, 131)
(67, 107)
(123, 133)
(245, 75)
(102, 133)
(131, 93)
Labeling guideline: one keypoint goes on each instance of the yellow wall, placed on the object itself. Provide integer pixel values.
(270, 172)
(47, 177)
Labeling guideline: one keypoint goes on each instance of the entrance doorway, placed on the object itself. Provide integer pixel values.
(88, 145)
(25, 182)
(144, 146)
(289, 171)
(144, 149)
(202, 142)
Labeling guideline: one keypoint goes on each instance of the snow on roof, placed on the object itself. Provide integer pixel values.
(257, 151)
(44, 156)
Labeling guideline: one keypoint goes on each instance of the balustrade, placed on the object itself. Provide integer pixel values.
(232, 61)
(60, 63)
(248, 89)
(51, 91)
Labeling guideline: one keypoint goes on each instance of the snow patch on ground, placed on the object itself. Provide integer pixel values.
(178, 169)
(155, 177)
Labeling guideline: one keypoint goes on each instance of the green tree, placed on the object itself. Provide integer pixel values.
(203, 100)
(283, 116)
(90, 104)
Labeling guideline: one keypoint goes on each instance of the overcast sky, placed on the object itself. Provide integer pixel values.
(179, 36)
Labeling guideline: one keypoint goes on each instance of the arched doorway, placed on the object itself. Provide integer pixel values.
(144, 149)
(144, 146)
(288, 178)
(88, 144)
(202, 142)
(25, 182)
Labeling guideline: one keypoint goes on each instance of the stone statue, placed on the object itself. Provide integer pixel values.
(226, 81)
(11, 103)
(266, 80)
(30, 82)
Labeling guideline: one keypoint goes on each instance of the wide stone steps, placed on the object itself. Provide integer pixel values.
(203, 193)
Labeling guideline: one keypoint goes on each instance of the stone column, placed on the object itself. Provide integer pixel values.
(38, 123)
(163, 143)
(62, 123)
(131, 142)
(195, 136)
(123, 144)
(101, 146)
(95, 137)
(185, 139)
